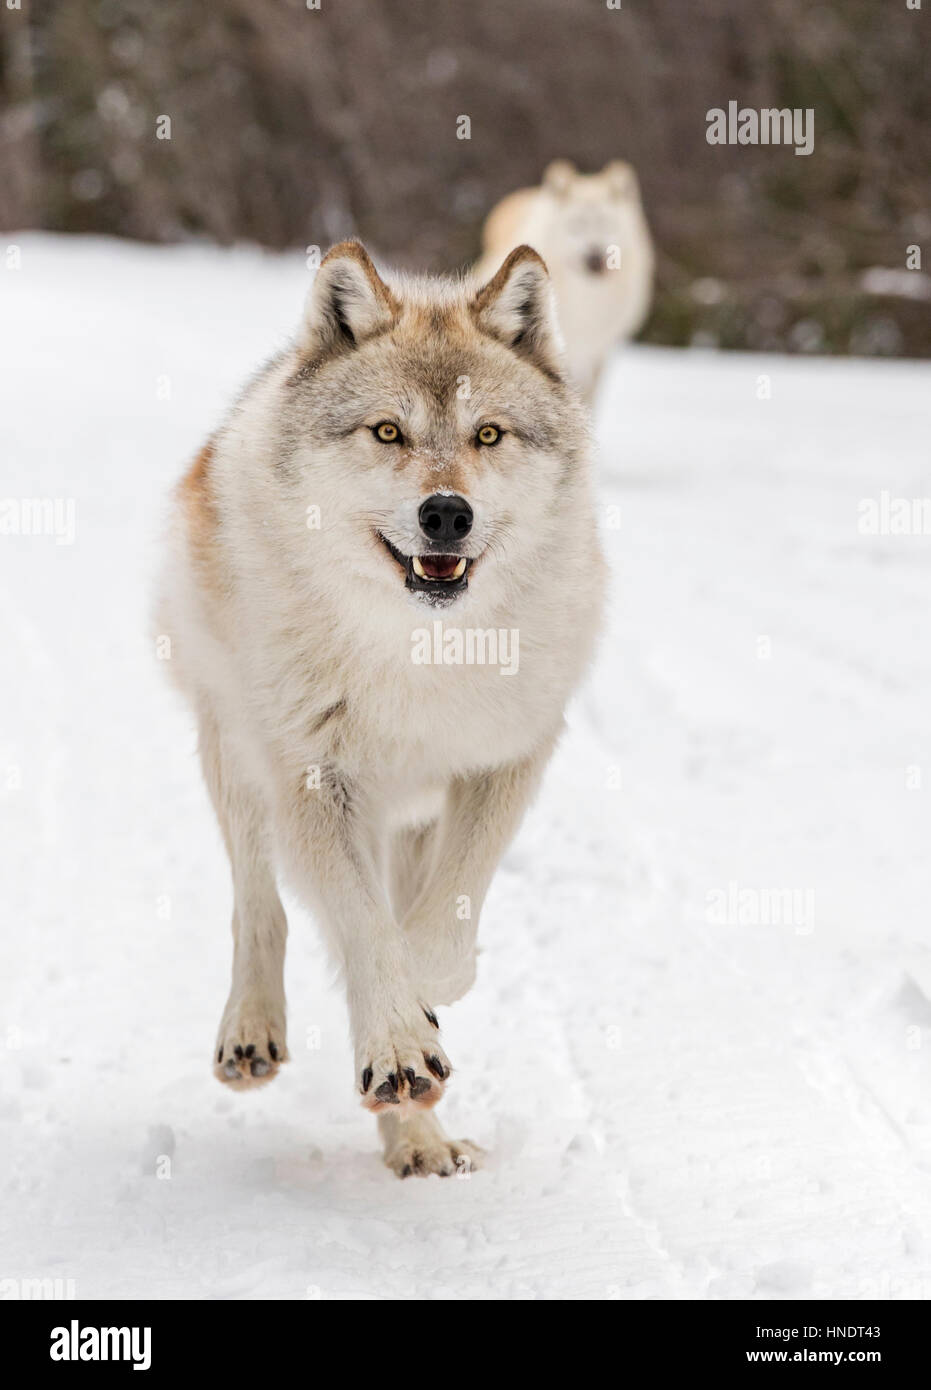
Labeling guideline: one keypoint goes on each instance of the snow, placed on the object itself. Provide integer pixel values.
(680, 1098)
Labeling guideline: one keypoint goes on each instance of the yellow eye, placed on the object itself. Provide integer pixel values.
(387, 433)
(488, 434)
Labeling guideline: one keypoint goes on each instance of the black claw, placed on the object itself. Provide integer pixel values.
(430, 1016)
(388, 1093)
(220, 1055)
(393, 1080)
(366, 1079)
(411, 1075)
(238, 1053)
(436, 1066)
(273, 1050)
(420, 1086)
(250, 1050)
(406, 1171)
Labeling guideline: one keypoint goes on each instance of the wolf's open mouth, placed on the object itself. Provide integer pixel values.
(438, 577)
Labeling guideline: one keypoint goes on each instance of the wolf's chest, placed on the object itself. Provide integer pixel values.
(454, 704)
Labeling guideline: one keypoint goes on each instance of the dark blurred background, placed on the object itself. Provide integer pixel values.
(293, 126)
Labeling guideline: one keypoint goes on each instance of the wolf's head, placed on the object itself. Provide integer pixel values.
(586, 214)
(430, 422)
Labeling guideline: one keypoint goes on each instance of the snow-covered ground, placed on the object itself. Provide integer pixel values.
(699, 1049)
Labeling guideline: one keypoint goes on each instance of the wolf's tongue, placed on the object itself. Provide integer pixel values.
(439, 566)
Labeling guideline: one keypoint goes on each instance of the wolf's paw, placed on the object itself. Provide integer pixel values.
(404, 1067)
(419, 1157)
(250, 1049)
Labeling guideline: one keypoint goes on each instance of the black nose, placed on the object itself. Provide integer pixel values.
(445, 518)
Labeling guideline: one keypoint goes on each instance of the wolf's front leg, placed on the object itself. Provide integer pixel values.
(251, 1043)
(418, 1146)
(332, 841)
(481, 816)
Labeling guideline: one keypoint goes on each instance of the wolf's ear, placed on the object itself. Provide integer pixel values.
(558, 176)
(516, 307)
(621, 179)
(348, 302)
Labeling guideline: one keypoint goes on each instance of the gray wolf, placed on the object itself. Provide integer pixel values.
(416, 452)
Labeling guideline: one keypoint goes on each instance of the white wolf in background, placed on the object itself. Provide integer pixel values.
(592, 233)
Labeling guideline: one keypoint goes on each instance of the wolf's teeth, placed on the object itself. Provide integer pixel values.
(421, 573)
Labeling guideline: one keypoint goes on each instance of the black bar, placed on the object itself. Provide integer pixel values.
(255, 1337)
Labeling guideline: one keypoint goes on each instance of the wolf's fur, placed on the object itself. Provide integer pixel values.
(385, 790)
(568, 219)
